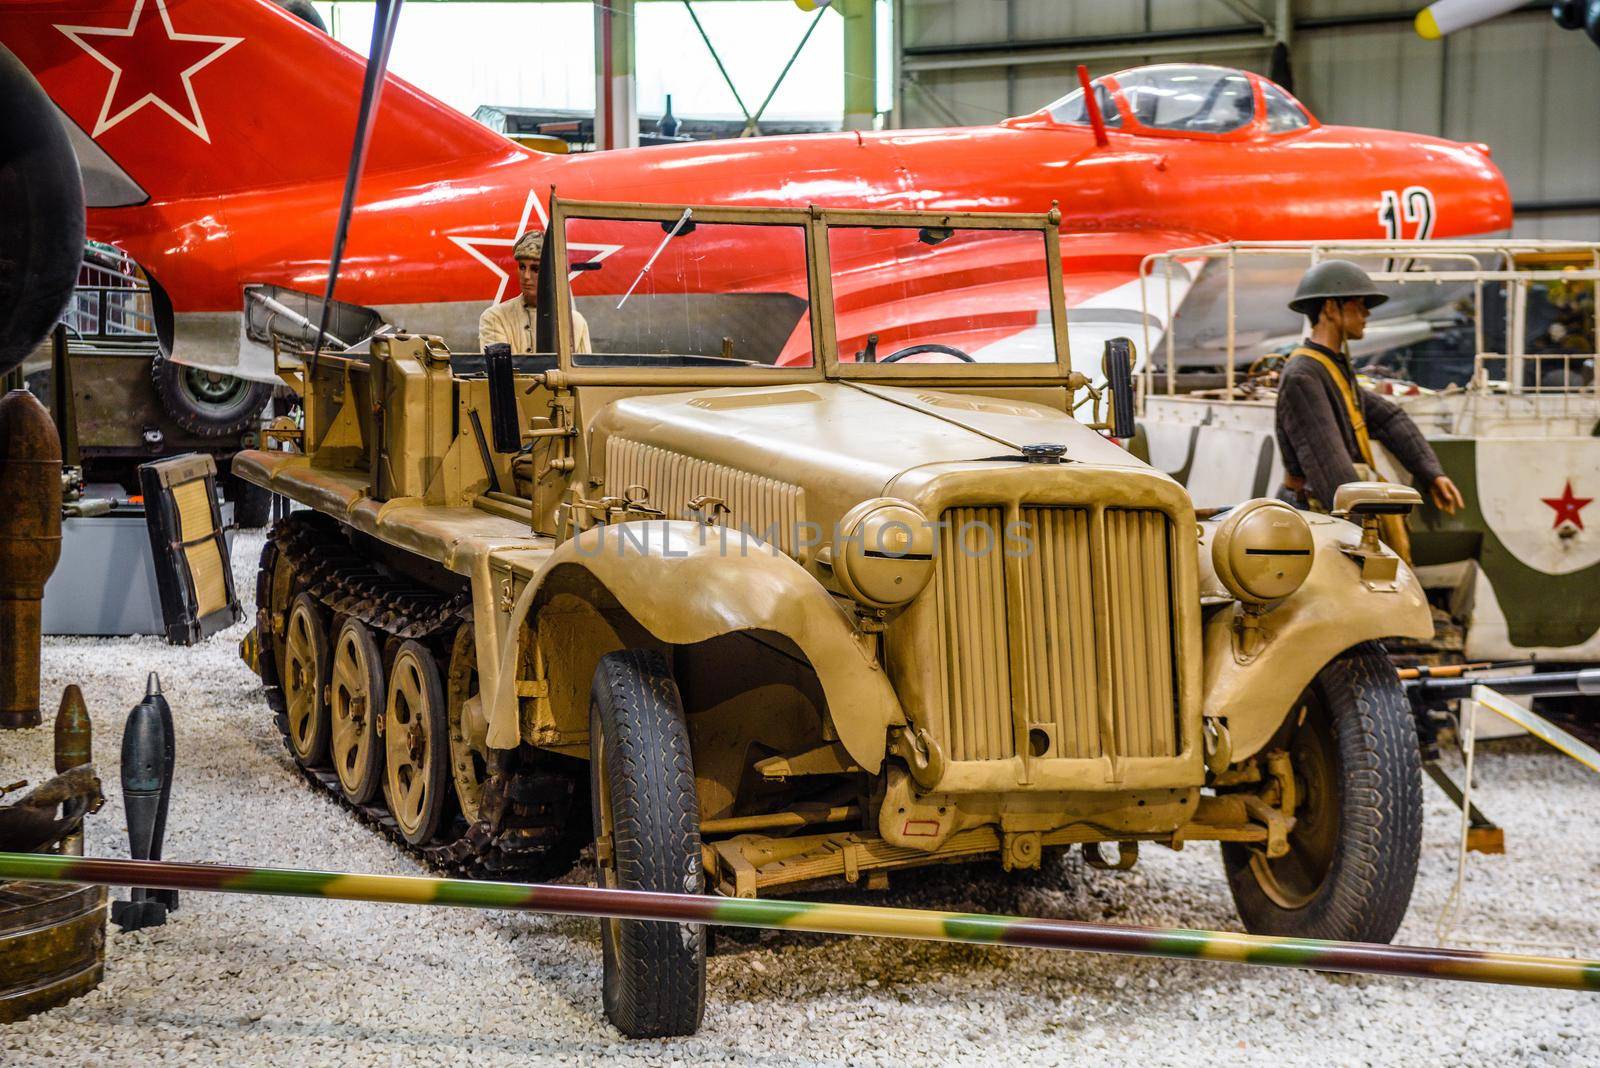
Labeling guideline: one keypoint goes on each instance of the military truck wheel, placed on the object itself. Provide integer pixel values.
(355, 704)
(305, 671)
(1353, 851)
(416, 783)
(469, 749)
(647, 837)
(208, 403)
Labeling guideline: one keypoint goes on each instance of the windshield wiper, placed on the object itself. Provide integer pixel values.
(651, 262)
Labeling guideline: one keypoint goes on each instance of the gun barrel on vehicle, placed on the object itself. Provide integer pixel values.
(1434, 690)
(822, 918)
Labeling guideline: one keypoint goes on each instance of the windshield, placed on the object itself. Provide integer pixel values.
(686, 292)
(1282, 112)
(1069, 110)
(940, 295)
(1192, 99)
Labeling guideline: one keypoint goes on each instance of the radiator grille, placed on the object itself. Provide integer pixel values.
(1059, 655)
(969, 593)
(1140, 621)
(765, 507)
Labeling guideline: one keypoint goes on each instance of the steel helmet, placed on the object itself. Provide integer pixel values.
(1334, 280)
(530, 246)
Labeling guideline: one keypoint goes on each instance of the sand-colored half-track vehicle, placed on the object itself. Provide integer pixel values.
(812, 577)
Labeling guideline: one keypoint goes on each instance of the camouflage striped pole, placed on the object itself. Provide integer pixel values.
(822, 918)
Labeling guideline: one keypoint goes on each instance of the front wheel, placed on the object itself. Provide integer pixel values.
(1353, 850)
(647, 837)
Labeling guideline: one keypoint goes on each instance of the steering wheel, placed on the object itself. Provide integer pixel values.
(914, 350)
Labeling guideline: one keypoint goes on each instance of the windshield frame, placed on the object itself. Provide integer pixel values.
(816, 223)
(1238, 133)
(556, 242)
(1047, 225)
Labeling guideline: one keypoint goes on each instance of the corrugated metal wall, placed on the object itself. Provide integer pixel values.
(1528, 89)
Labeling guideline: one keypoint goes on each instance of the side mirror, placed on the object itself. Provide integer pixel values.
(1118, 366)
(505, 418)
(1374, 498)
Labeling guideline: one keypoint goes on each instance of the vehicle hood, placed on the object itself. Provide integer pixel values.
(822, 447)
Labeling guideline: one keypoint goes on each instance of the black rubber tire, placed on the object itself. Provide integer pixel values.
(252, 505)
(41, 225)
(1378, 769)
(654, 982)
(235, 411)
(266, 645)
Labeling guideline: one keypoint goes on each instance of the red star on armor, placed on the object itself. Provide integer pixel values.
(150, 63)
(1568, 507)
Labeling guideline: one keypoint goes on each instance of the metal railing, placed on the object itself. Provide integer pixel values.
(1478, 263)
(111, 301)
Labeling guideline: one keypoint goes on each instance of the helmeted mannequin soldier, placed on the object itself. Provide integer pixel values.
(1326, 421)
(511, 321)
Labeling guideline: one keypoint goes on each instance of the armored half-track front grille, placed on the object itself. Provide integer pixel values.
(1086, 651)
(772, 510)
(969, 588)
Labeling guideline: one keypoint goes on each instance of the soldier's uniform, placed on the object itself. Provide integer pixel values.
(1325, 421)
(1319, 441)
(511, 322)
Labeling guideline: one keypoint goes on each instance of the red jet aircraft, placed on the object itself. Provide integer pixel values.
(214, 136)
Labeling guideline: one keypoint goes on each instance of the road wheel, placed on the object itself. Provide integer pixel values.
(647, 837)
(272, 611)
(355, 704)
(269, 648)
(1353, 851)
(416, 782)
(208, 403)
(469, 747)
(305, 671)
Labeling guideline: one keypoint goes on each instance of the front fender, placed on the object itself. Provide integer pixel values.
(686, 582)
(1331, 612)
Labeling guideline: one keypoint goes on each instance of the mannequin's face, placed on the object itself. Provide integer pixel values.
(1349, 315)
(528, 279)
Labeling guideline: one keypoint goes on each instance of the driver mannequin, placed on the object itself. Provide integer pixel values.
(511, 321)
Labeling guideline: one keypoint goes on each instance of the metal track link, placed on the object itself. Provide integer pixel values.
(537, 836)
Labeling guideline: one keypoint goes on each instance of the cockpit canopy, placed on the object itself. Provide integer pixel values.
(1187, 99)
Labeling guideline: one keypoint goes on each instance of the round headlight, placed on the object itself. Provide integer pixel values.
(885, 554)
(1263, 551)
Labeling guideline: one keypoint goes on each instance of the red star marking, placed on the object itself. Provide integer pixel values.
(1567, 507)
(473, 246)
(150, 63)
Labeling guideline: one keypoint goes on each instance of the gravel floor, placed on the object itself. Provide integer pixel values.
(272, 981)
